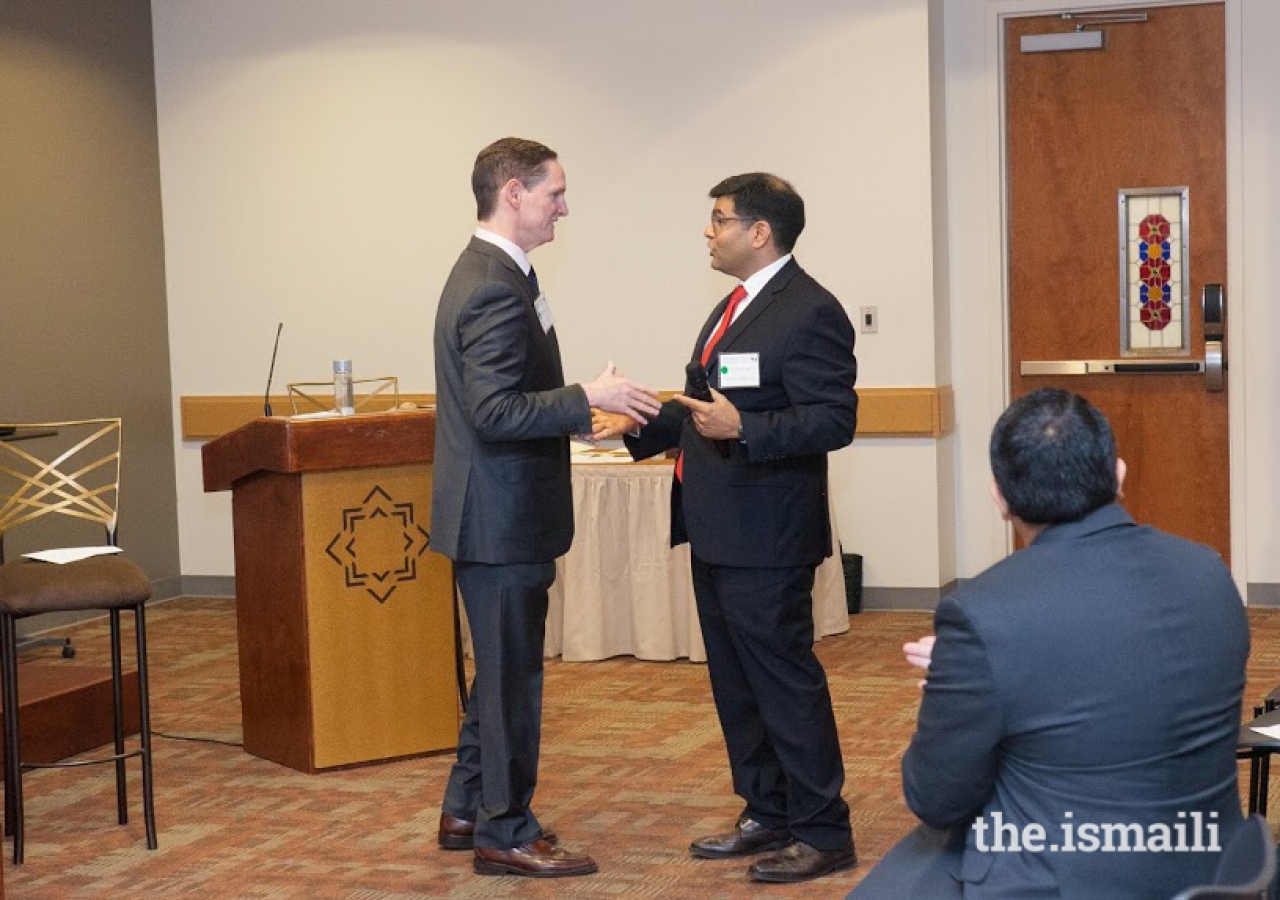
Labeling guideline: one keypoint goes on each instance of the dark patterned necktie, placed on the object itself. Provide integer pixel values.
(533, 280)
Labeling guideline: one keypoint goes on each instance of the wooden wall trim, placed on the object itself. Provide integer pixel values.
(906, 412)
(882, 412)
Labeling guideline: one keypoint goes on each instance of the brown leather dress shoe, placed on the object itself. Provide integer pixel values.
(800, 862)
(536, 860)
(459, 834)
(747, 837)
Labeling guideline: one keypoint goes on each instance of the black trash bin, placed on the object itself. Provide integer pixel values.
(852, 563)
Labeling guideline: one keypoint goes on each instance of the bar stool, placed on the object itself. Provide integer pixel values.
(79, 478)
(1257, 749)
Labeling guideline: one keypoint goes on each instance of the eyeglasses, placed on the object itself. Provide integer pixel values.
(718, 221)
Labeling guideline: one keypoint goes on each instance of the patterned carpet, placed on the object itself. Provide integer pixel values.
(632, 770)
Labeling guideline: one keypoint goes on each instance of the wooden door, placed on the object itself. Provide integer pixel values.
(1145, 112)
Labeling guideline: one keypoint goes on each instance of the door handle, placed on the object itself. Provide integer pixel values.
(1112, 366)
(1213, 306)
(1214, 364)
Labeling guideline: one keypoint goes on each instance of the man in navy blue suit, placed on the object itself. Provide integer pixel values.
(750, 497)
(1077, 730)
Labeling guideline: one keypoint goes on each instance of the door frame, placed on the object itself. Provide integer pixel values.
(995, 224)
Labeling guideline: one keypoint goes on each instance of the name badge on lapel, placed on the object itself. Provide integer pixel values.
(543, 309)
(739, 370)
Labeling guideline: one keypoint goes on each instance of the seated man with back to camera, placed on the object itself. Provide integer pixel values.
(1077, 731)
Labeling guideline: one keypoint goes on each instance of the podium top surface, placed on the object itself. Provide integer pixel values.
(287, 446)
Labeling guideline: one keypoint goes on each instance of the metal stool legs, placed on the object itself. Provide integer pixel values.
(1263, 765)
(1259, 776)
(13, 824)
(1260, 767)
(13, 768)
(144, 727)
(117, 717)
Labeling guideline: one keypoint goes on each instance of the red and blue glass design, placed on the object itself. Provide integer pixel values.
(1154, 319)
(1155, 291)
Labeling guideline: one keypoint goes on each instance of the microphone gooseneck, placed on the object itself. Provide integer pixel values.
(266, 400)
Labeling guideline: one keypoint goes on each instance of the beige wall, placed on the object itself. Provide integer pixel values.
(316, 169)
(81, 247)
(315, 173)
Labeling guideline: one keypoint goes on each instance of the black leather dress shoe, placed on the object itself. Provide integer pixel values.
(800, 862)
(459, 834)
(747, 837)
(536, 860)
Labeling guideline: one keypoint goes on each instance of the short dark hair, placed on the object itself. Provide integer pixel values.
(504, 159)
(1054, 457)
(759, 195)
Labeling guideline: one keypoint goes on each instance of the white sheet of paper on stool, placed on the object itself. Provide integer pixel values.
(63, 555)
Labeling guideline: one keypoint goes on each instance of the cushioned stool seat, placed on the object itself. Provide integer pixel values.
(73, 470)
(28, 588)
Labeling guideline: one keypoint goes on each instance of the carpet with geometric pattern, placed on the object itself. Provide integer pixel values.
(633, 768)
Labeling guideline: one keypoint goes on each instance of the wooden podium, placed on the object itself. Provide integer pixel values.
(344, 614)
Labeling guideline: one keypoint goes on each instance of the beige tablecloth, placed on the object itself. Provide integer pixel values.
(622, 590)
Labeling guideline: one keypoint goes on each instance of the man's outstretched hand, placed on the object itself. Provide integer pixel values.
(611, 391)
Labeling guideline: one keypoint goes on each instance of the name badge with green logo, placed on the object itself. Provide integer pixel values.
(739, 370)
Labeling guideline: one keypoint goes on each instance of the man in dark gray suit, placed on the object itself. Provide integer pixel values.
(502, 507)
(1077, 733)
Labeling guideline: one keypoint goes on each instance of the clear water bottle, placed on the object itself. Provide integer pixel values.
(344, 397)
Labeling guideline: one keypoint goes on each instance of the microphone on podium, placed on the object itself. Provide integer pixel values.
(266, 402)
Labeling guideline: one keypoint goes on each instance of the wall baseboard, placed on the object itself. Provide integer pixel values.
(1264, 595)
(873, 598)
(903, 599)
(167, 588)
(208, 586)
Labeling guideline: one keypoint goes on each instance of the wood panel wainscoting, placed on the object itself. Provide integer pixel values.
(882, 412)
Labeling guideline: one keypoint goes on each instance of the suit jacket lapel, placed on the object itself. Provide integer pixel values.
(495, 252)
(758, 305)
(709, 326)
(519, 278)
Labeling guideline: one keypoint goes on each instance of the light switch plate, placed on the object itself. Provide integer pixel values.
(868, 319)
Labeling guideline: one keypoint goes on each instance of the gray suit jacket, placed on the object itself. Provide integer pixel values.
(501, 491)
(1093, 678)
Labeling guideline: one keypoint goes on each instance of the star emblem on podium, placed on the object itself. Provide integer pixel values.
(379, 545)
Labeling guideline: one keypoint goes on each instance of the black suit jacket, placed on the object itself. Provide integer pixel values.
(1098, 672)
(762, 502)
(501, 490)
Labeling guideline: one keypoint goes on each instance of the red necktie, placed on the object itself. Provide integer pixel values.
(738, 295)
